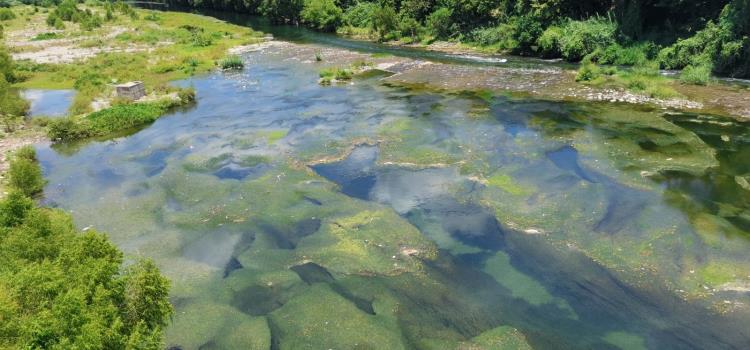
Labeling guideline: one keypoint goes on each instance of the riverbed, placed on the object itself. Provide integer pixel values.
(390, 212)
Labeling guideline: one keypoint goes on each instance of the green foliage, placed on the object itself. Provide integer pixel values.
(329, 74)
(625, 56)
(231, 62)
(549, 41)
(117, 118)
(588, 72)
(12, 106)
(46, 36)
(68, 11)
(581, 38)
(25, 174)
(697, 75)
(439, 23)
(282, 11)
(6, 14)
(361, 14)
(723, 46)
(322, 15)
(384, 21)
(60, 289)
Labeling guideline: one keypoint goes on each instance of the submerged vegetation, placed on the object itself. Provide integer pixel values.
(61, 288)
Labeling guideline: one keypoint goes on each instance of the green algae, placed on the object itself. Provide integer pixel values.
(273, 136)
(322, 319)
(520, 285)
(202, 324)
(625, 340)
(506, 183)
(369, 242)
(500, 338)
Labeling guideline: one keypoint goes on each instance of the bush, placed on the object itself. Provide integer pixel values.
(549, 42)
(25, 175)
(526, 31)
(439, 23)
(45, 36)
(588, 72)
(281, 11)
(361, 14)
(409, 27)
(698, 75)
(322, 15)
(6, 14)
(231, 62)
(66, 129)
(336, 73)
(623, 56)
(384, 21)
(583, 37)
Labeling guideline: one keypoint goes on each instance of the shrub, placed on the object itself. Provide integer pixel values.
(281, 11)
(336, 73)
(45, 36)
(698, 75)
(549, 42)
(322, 15)
(6, 14)
(624, 56)
(66, 129)
(13, 208)
(526, 31)
(231, 62)
(588, 72)
(583, 37)
(361, 14)
(439, 22)
(409, 27)
(26, 176)
(384, 21)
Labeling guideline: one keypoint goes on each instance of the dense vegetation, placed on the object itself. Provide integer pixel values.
(120, 117)
(700, 35)
(64, 289)
(12, 106)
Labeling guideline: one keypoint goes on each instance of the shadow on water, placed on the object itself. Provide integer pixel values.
(299, 34)
(601, 302)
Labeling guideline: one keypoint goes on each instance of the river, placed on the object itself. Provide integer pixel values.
(383, 215)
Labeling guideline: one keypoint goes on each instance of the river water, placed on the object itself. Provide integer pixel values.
(381, 216)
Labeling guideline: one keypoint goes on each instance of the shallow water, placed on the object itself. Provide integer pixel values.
(48, 103)
(288, 213)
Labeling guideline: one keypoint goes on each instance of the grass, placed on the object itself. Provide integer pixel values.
(196, 43)
(111, 120)
(231, 62)
(46, 36)
(644, 79)
(332, 74)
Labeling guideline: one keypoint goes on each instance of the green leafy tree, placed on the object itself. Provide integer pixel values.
(322, 15)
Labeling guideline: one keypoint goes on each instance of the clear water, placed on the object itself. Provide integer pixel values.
(289, 214)
(49, 103)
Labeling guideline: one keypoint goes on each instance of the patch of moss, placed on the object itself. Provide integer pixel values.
(500, 338)
(322, 319)
(506, 183)
(368, 242)
(625, 340)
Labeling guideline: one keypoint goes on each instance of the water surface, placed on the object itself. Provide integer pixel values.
(291, 214)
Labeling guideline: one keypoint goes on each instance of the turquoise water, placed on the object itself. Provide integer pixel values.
(290, 215)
